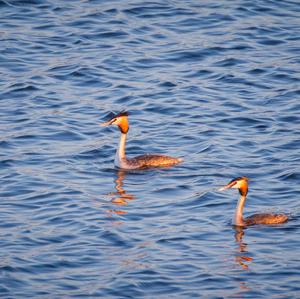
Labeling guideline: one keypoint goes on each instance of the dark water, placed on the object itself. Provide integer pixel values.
(217, 82)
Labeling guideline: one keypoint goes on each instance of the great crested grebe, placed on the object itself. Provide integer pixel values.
(241, 183)
(143, 161)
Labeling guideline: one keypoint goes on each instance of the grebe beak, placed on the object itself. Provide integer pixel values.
(230, 185)
(108, 123)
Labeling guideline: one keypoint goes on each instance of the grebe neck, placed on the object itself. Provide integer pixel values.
(238, 218)
(120, 154)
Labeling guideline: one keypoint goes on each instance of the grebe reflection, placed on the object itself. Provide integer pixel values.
(242, 256)
(120, 197)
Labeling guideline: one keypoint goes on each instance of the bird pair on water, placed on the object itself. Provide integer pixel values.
(150, 160)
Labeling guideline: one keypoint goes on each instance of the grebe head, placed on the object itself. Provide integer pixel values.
(240, 183)
(120, 120)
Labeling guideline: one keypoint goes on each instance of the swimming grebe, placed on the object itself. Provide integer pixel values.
(143, 161)
(241, 183)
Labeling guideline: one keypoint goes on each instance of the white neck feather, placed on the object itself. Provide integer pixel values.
(238, 218)
(120, 154)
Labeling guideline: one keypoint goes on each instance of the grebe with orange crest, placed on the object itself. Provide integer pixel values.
(139, 162)
(241, 183)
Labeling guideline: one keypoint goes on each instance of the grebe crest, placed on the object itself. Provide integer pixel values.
(139, 162)
(241, 183)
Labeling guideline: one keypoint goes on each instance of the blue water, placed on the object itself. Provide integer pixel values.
(215, 82)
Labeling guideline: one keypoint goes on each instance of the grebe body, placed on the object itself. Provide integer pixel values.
(139, 162)
(241, 183)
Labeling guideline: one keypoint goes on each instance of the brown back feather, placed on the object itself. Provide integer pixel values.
(266, 219)
(153, 160)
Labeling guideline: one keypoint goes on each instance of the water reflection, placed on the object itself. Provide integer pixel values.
(120, 197)
(242, 257)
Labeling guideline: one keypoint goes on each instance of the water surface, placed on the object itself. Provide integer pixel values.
(217, 83)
